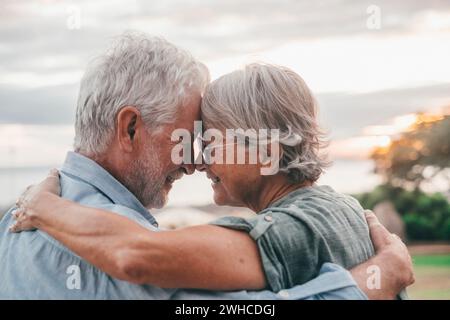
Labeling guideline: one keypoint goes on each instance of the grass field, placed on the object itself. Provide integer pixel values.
(432, 277)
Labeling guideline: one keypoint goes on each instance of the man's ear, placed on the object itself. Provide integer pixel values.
(128, 121)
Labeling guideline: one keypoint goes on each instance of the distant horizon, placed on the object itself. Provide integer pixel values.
(195, 189)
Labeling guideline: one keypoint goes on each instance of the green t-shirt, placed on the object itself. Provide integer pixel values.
(303, 230)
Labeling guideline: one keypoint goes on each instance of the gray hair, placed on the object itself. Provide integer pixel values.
(148, 73)
(263, 96)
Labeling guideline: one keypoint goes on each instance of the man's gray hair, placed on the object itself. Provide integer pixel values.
(264, 96)
(146, 72)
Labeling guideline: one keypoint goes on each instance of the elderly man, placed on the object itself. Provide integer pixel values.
(130, 101)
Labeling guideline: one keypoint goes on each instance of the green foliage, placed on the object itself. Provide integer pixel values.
(426, 216)
(419, 227)
(445, 230)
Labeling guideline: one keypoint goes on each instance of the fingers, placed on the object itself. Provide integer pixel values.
(19, 227)
(30, 199)
(22, 200)
(51, 183)
(378, 233)
(17, 214)
(22, 222)
(54, 173)
(396, 237)
(372, 219)
(14, 228)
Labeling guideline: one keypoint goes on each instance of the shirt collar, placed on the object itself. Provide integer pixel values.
(91, 172)
(300, 192)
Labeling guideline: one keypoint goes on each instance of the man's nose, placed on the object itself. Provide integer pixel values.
(200, 167)
(188, 168)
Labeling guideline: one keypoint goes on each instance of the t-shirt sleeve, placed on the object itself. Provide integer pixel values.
(286, 244)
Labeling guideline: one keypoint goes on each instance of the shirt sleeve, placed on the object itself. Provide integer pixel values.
(287, 245)
(332, 283)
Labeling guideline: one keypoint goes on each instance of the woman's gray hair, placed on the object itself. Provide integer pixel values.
(148, 73)
(264, 96)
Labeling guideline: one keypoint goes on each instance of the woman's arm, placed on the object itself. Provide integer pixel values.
(204, 257)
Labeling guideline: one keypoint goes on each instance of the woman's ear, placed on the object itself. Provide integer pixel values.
(128, 120)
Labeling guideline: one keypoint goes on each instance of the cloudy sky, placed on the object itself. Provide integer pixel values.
(370, 63)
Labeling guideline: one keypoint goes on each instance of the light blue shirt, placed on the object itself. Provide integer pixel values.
(33, 265)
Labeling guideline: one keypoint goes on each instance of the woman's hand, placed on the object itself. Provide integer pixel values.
(25, 214)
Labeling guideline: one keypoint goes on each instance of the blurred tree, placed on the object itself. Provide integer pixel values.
(418, 155)
(426, 216)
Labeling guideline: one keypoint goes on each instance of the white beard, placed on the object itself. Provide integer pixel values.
(145, 180)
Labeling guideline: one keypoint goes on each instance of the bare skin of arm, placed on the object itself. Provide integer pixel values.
(205, 257)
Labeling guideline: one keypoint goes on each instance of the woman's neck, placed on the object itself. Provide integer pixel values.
(274, 189)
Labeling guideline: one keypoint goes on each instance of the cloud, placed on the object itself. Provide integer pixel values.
(357, 64)
(41, 60)
(34, 145)
(346, 115)
(49, 105)
(212, 29)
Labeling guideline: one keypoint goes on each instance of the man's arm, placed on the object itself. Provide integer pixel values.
(332, 283)
(392, 261)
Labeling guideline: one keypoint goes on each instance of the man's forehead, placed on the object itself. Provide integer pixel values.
(187, 115)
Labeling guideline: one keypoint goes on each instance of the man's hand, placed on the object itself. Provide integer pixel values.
(392, 259)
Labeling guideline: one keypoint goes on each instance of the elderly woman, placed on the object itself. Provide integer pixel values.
(297, 227)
